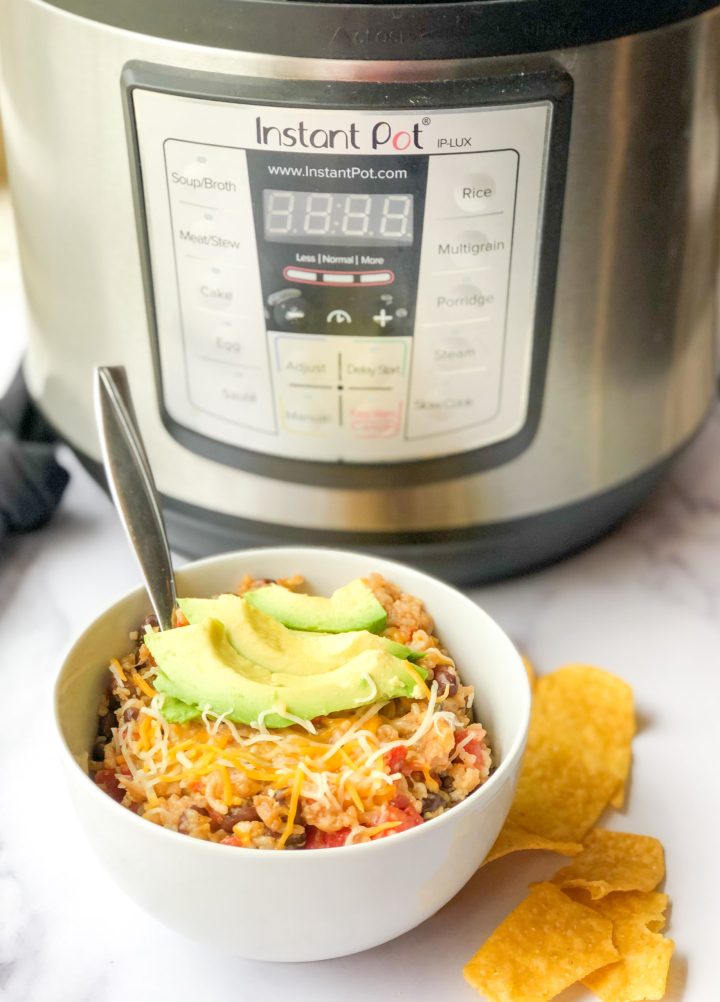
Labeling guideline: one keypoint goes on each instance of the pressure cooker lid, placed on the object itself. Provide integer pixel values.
(346, 29)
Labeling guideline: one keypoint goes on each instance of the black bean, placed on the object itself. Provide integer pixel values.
(244, 812)
(446, 679)
(432, 803)
(447, 783)
(98, 751)
(130, 713)
(149, 623)
(296, 841)
(105, 728)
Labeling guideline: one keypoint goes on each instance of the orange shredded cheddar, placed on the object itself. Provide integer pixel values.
(292, 811)
(119, 669)
(142, 684)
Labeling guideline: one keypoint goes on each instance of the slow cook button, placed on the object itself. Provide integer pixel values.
(309, 412)
(238, 395)
(453, 402)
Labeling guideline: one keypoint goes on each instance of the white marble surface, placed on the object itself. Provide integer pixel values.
(645, 603)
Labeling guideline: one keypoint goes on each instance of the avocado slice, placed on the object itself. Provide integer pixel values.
(352, 607)
(267, 642)
(198, 666)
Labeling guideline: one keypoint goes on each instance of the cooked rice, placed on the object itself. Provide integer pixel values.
(363, 774)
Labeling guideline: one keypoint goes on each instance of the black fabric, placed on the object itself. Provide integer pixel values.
(31, 480)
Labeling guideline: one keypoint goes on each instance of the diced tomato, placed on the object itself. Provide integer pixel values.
(395, 758)
(181, 619)
(317, 839)
(402, 811)
(107, 779)
(475, 747)
(231, 840)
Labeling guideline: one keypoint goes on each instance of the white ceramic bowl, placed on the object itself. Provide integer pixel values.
(293, 906)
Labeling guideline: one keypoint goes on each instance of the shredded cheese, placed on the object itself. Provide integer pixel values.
(292, 811)
(119, 670)
(142, 684)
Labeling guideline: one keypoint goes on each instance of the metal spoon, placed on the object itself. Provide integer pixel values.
(132, 487)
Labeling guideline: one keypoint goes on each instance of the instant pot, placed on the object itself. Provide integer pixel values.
(435, 279)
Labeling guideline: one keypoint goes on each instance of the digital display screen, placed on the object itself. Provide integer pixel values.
(313, 217)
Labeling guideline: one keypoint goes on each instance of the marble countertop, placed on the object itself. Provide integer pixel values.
(645, 603)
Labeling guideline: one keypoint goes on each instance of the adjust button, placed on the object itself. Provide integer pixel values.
(301, 362)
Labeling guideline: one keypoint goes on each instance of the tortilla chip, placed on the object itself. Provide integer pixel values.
(578, 752)
(515, 839)
(618, 798)
(548, 943)
(614, 861)
(530, 669)
(642, 971)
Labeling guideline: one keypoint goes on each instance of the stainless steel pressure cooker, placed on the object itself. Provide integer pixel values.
(435, 279)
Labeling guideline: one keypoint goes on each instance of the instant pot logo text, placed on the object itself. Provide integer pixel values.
(382, 135)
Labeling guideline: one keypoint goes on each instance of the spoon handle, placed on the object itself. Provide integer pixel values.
(132, 487)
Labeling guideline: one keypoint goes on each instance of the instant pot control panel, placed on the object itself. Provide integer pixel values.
(353, 284)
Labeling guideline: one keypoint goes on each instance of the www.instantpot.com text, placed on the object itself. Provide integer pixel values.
(374, 173)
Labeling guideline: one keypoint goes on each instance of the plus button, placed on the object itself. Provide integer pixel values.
(382, 318)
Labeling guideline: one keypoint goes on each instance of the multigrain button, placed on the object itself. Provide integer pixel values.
(468, 250)
(476, 193)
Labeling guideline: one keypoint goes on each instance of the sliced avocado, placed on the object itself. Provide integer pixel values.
(198, 666)
(178, 712)
(267, 642)
(352, 607)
